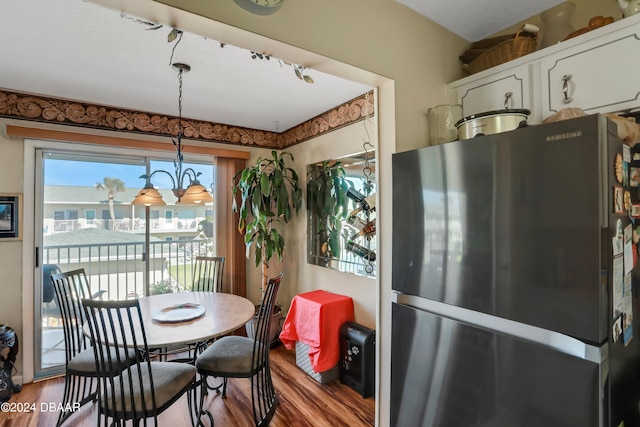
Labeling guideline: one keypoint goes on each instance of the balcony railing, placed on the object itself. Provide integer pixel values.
(118, 268)
(160, 225)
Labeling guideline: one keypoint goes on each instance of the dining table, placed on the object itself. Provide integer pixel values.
(184, 318)
(223, 313)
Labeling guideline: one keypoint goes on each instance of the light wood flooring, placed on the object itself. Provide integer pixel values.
(303, 402)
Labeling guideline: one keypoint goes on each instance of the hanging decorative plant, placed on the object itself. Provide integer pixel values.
(299, 70)
(175, 34)
(269, 195)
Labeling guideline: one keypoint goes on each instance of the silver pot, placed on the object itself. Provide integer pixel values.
(491, 122)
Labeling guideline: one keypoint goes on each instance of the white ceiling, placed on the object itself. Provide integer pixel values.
(476, 19)
(76, 50)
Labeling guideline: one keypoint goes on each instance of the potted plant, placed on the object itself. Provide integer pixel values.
(269, 195)
(327, 200)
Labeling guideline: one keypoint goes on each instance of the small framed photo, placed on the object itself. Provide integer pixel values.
(10, 216)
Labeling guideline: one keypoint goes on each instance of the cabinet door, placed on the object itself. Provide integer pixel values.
(506, 89)
(598, 76)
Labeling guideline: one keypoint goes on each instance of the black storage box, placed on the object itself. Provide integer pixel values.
(358, 358)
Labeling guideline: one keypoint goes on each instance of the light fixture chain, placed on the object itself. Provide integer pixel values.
(179, 108)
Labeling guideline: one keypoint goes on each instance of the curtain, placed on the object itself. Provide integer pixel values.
(229, 242)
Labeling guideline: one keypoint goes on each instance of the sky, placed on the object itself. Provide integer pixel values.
(74, 172)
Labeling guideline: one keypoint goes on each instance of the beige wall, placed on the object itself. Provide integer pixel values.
(11, 160)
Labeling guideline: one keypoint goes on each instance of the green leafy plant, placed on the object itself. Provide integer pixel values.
(269, 195)
(327, 200)
(161, 287)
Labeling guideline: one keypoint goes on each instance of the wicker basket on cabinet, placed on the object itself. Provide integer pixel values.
(520, 44)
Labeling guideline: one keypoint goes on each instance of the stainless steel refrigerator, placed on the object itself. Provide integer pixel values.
(515, 292)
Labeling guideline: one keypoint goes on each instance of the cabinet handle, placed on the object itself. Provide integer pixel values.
(565, 88)
(507, 97)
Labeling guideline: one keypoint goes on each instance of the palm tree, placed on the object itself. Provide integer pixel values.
(113, 186)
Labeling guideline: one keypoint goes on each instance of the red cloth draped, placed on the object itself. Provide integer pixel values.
(315, 319)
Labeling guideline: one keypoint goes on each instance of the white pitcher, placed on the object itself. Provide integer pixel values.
(629, 7)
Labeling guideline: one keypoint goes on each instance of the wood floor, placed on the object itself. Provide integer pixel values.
(303, 402)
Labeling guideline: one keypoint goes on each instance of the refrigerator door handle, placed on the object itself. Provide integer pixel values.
(555, 340)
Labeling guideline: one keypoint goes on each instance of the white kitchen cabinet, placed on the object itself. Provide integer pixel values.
(597, 72)
(507, 89)
(598, 76)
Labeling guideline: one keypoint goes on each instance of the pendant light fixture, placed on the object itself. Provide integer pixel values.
(195, 193)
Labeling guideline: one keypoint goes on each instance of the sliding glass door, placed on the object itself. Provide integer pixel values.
(84, 219)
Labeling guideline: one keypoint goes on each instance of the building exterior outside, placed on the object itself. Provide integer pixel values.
(78, 232)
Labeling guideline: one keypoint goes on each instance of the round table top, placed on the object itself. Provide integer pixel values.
(224, 313)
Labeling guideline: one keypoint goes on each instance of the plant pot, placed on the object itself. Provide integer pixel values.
(274, 331)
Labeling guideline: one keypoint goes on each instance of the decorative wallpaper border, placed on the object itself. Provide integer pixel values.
(350, 112)
(50, 110)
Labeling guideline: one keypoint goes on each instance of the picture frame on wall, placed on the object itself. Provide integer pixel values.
(10, 216)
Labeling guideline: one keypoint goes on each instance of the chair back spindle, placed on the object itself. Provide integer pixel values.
(207, 274)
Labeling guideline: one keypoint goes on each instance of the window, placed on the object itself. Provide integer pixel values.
(65, 220)
(90, 216)
(168, 217)
(66, 215)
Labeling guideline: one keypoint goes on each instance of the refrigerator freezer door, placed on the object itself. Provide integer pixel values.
(447, 373)
(513, 224)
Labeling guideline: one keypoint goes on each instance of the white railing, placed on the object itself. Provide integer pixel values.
(177, 225)
(118, 268)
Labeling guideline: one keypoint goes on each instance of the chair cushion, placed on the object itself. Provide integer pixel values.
(168, 380)
(228, 355)
(85, 362)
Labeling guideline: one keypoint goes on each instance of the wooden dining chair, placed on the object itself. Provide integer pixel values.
(136, 391)
(241, 357)
(207, 274)
(79, 385)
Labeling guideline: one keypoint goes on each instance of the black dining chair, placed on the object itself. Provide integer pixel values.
(207, 274)
(241, 357)
(80, 370)
(140, 390)
(207, 277)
